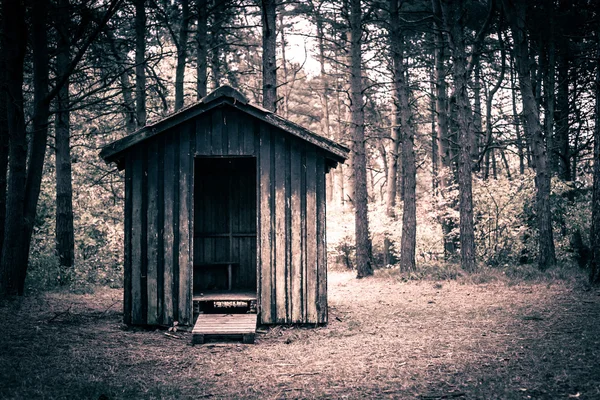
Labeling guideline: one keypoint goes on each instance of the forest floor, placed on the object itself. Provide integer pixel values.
(386, 339)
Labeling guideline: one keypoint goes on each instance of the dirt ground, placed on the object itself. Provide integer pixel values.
(385, 339)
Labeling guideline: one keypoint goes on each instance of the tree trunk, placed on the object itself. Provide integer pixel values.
(595, 226)
(181, 53)
(516, 119)
(561, 149)
(488, 111)
(477, 118)
(201, 49)
(453, 20)
(269, 37)
(140, 62)
(445, 162)
(65, 240)
(516, 15)
(363, 242)
(409, 169)
(15, 44)
(4, 139)
(41, 113)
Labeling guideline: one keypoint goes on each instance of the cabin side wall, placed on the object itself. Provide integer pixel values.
(291, 231)
(158, 226)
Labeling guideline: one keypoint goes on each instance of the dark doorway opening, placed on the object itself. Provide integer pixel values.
(224, 228)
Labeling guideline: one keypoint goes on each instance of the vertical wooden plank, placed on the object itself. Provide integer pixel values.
(280, 228)
(127, 294)
(217, 132)
(233, 134)
(265, 226)
(321, 243)
(152, 236)
(137, 260)
(168, 229)
(296, 233)
(251, 130)
(311, 236)
(160, 254)
(203, 134)
(185, 273)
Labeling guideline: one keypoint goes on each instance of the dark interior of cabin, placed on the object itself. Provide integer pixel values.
(224, 226)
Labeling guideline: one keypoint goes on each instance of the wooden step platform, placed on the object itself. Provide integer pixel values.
(243, 325)
(225, 295)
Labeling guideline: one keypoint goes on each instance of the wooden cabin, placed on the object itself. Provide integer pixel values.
(224, 198)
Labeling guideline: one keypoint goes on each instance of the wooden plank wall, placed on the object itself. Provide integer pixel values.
(292, 246)
(158, 235)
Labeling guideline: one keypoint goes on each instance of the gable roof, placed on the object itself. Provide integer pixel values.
(225, 94)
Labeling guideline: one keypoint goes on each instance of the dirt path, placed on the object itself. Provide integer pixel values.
(385, 339)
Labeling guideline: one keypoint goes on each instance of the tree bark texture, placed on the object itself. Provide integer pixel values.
(65, 240)
(363, 241)
(4, 138)
(15, 44)
(182, 46)
(595, 225)
(41, 113)
(140, 62)
(201, 49)
(516, 14)
(269, 45)
(452, 14)
(409, 169)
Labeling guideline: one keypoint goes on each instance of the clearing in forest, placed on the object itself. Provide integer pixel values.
(386, 339)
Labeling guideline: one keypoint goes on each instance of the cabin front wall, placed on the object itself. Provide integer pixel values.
(159, 242)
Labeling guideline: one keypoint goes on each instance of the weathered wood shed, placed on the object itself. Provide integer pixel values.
(224, 196)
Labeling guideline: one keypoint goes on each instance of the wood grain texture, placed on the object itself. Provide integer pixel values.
(185, 216)
(321, 243)
(168, 229)
(137, 261)
(153, 231)
(278, 177)
(311, 237)
(127, 225)
(296, 238)
(266, 227)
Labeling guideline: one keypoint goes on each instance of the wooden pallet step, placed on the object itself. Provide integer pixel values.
(224, 325)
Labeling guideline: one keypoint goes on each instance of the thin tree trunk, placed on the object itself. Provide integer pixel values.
(215, 40)
(4, 139)
(65, 240)
(269, 72)
(453, 20)
(409, 169)
(561, 149)
(15, 44)
(516, 118)
(546, 252)
(201, 49)
(488, 110)
(595, 225)
(181, 53)
(477, 117)
(363, 245)
(140, 62)
(445, 163)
